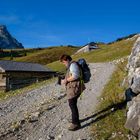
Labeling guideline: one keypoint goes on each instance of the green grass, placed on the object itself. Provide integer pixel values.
(47, 55)
(37, 55)
(5, 95)
(111, 115)
(106, 53)
(109, 52)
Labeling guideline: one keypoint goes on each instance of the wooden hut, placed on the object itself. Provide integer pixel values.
(15, 75)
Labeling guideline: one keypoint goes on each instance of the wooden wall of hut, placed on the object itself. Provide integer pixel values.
(14, 80)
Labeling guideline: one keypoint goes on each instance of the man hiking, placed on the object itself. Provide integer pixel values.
(74, 87)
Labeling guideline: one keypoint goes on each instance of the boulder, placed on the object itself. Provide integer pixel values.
(133, 114)
(134, 67)
(136, 81)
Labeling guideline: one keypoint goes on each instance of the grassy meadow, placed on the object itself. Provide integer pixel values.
(37, 55)
(47, 55)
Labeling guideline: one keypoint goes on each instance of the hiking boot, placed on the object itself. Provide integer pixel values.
(74, 127)
(70, 120)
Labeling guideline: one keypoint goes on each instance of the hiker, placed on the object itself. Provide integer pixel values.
(74, 88)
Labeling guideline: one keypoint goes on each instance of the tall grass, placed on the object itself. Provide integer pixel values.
(111, 115)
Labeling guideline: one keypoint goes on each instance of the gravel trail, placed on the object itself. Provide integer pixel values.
(42, 114)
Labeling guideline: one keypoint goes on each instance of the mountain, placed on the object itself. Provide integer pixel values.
(7, 41)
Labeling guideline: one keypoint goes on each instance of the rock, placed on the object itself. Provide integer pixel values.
(41, 139)
(15, 126)
(134, 67)
(133, 114)
(50, 107)
(134, 61)
(61, 96)
(50, 137)
(7, 41)
(1, 114)
(136, 81)
(34, 117)
(112, 109)
(59, 137)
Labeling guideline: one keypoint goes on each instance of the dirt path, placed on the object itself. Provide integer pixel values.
(43, 114)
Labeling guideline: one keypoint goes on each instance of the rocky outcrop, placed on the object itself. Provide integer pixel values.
(134, 68)
(133, 114)
(7, 41)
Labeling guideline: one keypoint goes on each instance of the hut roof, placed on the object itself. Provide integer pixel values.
(8, 65)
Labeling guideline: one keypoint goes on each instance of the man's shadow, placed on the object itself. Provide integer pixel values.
(103, 113)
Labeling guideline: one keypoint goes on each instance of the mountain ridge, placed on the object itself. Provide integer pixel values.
(7, 41)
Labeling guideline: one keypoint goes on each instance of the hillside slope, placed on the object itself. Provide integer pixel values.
(47, 55)
(106, 53)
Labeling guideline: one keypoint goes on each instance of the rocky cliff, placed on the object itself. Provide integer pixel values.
(133, 114)
(7, 41)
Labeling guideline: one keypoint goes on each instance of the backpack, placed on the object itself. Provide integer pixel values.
(85, 70)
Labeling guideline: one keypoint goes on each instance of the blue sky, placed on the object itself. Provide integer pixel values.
(42, 23)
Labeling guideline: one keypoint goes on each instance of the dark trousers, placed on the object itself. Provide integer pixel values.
(74, 110)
